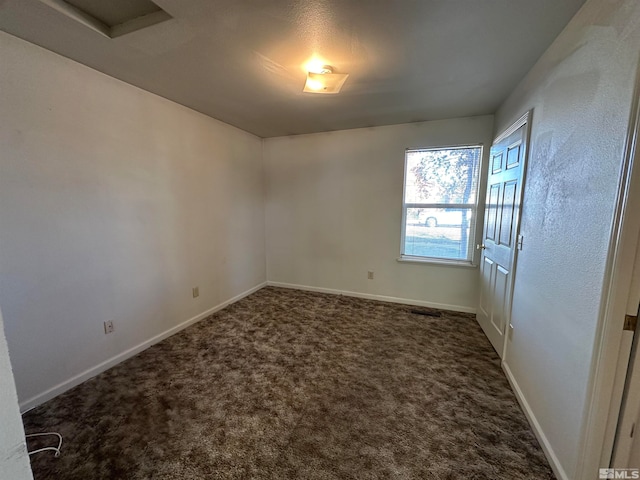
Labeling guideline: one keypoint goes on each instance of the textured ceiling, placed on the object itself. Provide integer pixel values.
(241, 61)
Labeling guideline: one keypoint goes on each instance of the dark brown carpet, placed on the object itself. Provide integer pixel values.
(289, 384)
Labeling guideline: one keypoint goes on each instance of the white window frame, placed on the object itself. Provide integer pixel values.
(473, 232)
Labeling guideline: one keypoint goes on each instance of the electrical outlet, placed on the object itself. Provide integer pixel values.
(108, 327)
(195, 291)
(370, 275)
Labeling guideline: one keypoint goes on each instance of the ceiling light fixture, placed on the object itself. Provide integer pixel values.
(324, 81)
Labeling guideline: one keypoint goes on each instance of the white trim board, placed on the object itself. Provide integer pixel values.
(535, 426)
(371, 296)
(107, 364)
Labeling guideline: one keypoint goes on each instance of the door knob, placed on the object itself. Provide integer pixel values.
(480, 247)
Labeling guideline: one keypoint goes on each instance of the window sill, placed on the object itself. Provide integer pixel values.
(436, 261)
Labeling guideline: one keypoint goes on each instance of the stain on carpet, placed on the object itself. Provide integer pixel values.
(290, 384)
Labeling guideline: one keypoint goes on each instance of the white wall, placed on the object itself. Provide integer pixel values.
(14, 461)
(334, 211)
(581, 91)
(113, 203)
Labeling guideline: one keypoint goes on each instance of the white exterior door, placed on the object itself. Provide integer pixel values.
(499, 238)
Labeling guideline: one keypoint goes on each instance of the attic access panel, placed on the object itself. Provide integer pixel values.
(111, 18)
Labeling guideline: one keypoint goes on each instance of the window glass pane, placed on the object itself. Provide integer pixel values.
(438, 232)
(442, 176)
(438, 182)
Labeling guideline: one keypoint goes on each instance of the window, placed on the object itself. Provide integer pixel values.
(440, 203)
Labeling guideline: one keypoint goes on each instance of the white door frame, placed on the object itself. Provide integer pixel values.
(624, 441)
(611, 346)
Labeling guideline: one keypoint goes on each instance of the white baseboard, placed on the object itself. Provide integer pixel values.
(535, 426)
(370, 296)
(107, 364)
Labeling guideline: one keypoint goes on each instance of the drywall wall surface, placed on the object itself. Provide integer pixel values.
(114, 203)
(334, 211)
(14, 460)
(581, 91)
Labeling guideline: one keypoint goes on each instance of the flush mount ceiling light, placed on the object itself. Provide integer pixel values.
(324, 81)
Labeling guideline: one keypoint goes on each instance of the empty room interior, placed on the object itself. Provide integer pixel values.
(319, 239)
